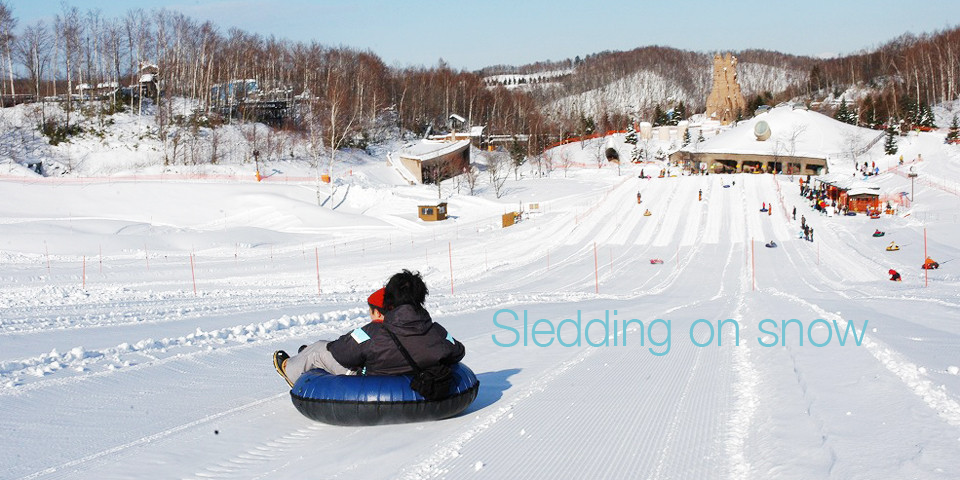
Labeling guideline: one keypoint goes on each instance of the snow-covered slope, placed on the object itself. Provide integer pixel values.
(137, 321)
(646, 89)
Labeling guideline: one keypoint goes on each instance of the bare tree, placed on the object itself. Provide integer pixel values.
(7, 24)
(69, 29)
(498, 169)
(33, 51)
(471, 174)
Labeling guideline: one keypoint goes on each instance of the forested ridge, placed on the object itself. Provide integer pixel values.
(337, 95)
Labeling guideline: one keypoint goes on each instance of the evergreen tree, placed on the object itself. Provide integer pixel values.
(636, 154)
(680, 112)
(659, 117)
(954, 135)
(631, 137)
(926, 117)
(686, 137)
(844, 114)
(700, 136)
(587, 125)
(890, 144)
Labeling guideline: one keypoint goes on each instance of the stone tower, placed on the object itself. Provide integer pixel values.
(725, 100)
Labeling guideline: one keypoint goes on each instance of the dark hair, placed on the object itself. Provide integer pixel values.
(405, 288)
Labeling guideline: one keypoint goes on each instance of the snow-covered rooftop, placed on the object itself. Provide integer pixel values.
(850, 183)
(427, 149)
(795, 132)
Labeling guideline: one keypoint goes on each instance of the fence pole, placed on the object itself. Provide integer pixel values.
(316, 250)
(450, 253)
(193, 274)
(596, 273)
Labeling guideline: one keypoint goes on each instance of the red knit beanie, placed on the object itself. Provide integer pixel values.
(375, 299)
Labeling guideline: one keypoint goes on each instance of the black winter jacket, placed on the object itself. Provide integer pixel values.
(370, 350)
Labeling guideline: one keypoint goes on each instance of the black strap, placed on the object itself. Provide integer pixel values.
(404, 351)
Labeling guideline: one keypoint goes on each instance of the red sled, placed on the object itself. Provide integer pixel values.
(655, 261)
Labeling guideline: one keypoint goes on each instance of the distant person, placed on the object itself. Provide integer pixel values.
(794, 213)
(894, 275)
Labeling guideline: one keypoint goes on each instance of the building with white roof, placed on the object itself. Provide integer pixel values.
(784, 139)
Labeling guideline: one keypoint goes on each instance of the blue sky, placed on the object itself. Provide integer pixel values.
(471, 35)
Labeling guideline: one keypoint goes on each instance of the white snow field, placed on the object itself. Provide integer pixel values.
(138, 317)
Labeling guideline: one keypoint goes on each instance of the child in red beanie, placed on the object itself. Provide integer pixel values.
(317, 355)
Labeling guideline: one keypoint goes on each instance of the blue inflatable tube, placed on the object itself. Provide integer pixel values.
(378, 399)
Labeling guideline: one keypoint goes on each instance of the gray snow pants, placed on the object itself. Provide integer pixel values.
(314, 356)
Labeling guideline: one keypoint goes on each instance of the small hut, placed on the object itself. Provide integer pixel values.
(432, 213)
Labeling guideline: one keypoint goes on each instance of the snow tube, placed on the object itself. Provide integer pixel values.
(656, 261)
(647, 213)
(378, 399)
(893, 249)
(930, 266)
(763, 209)
(874, 216)
(851, 214)
(878, 234)
(771, 245)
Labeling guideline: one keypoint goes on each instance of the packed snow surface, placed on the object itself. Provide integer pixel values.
(138, 317)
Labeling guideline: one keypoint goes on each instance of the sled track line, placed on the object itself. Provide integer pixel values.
(152, 438)
(449, 448)
(947, 407)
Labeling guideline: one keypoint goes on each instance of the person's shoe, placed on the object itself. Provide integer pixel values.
(279, 362)
(302, 347)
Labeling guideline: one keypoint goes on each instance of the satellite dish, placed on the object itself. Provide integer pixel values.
(761, 130)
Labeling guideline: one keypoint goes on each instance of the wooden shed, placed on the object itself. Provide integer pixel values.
(510, 218)
(432, 213)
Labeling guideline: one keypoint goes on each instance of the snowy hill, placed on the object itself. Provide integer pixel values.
(646, 89)
(139, 315)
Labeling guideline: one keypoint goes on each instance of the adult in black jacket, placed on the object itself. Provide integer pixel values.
(369, 350)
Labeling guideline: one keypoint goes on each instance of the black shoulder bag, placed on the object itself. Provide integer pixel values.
(431, 383)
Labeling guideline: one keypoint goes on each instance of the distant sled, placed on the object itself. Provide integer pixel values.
(878, 233)
(772, 244)
(656, 261)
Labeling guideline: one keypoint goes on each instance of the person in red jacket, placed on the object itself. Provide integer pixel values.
(894, 275)
(369, 350)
